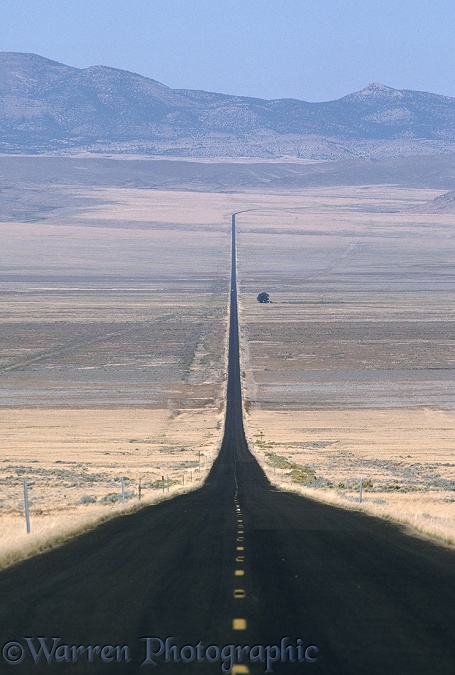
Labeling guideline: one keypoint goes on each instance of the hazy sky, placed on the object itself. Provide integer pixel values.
(313, 50)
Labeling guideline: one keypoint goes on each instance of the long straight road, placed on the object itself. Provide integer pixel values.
(173, 588)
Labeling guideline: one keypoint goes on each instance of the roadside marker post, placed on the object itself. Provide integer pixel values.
(27, 507)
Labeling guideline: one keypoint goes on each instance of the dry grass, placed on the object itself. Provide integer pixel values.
(324, 454)
(114, 334)
(400, 448)
(349, 372)
(74, 459)
(112, 359)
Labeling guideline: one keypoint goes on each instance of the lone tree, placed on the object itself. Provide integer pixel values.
(263, 297)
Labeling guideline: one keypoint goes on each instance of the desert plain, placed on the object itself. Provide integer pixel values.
(113, 345)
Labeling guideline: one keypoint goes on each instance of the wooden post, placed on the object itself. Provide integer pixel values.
(26, 505)
(140, 489)
(162, 482)
(361, 490)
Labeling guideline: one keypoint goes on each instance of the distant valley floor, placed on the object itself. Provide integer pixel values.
(114, 297)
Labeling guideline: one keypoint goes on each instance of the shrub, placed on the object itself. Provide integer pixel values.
(87, 499)
(303, 474)
(263, 298)
(111, 498)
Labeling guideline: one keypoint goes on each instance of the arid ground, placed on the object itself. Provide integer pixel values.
(112, 347)
(112, 355)
(349, 371)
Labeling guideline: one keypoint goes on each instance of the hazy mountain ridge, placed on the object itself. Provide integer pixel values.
(442, 204)
(46, 106)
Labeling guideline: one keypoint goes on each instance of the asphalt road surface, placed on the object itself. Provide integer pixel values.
(178, 587)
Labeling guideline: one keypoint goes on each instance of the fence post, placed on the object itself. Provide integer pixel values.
(361, 490)
(140, 489)
(27, 508)
(162, 482)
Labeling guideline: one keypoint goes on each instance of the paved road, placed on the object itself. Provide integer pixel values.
(234, 563)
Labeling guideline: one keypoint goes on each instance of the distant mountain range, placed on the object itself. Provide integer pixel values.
(48, 107)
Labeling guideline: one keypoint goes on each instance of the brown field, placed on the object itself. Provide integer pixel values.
(112, 349)
(112, 357)
(349, 371)
(74, 460)
(404, 456)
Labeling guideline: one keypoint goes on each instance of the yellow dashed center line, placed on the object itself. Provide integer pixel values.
(239, 624)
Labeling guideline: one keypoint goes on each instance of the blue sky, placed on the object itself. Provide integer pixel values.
(314, 50)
